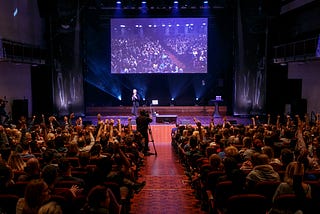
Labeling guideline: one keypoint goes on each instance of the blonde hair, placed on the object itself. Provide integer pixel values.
(16, 162)
(50, 208)
(293, 169)
(231, 151)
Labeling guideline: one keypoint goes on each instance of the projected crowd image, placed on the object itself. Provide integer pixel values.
(159, 45)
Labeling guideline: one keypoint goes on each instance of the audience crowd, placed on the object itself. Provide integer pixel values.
(52, 166)
(278, 160)
(65, 166)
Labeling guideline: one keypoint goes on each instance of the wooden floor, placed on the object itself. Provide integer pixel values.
(167, 190)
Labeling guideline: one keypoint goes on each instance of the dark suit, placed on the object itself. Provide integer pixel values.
(143, 122)
(135, 104)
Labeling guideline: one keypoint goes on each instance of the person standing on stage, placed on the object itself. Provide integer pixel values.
(143, 121)
(135, 102)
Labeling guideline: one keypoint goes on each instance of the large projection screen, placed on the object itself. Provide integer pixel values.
(159, 45)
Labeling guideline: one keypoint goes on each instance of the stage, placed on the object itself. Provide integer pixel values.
(162, 131)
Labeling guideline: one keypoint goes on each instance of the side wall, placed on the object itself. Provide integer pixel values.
(309, 73)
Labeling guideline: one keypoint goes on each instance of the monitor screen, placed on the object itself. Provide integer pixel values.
(158, 45)
(218, 98)
(155, 102)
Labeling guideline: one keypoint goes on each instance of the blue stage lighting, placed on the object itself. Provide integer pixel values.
(175, 4)
(119, 97)
(172, 99)
(197, 98)
(205, 4)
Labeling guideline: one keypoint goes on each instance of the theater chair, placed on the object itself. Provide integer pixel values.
(8, 203)
(247, 203)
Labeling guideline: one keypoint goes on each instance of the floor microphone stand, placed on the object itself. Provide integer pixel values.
(152, 140)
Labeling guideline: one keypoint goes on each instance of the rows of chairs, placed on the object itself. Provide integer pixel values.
(220, 197)
(69, 204)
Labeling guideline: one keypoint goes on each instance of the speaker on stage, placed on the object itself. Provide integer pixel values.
(19, 108)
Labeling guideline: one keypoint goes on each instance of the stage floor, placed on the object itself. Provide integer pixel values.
(181, 120)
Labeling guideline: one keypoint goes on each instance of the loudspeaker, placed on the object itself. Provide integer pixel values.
(299, 107)
(166, 118)
(42, 92)
(19, 108)
(47, 8)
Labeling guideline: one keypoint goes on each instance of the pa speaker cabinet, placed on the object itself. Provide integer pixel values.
(19, 108)
(166, 118)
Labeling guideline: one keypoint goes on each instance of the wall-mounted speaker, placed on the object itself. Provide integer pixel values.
(19, 109)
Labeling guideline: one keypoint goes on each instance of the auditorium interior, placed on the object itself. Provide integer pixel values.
(223, 64)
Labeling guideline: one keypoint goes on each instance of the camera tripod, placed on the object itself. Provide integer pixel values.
(152, 140)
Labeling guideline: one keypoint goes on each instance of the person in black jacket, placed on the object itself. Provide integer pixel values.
(143, 121)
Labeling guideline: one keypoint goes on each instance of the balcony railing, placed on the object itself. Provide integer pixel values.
(303, 50)
(22, 53)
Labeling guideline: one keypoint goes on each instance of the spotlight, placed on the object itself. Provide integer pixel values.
(175, 4)
(118, 4)
(172, 101)
(197, 98)
(205, 4)
(144, 7)
(119, 97)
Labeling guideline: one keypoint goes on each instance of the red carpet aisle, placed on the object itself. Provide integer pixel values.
(166, 191)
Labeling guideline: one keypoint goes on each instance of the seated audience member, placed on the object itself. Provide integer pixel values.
(315, 160)
(84, 160)
(246, 151)
(269, 151)
(96, 151)
(65, 173)
(293, 184)
(16, 162)
(49, 156)
(73, 150)
(36, 195)
(232, 151)
(6, 178)
(230, 165)
(262, 171)
(98, 201)
(50, 176)
(215, 163)
(286, 157)
(32, 170)
(50, 208)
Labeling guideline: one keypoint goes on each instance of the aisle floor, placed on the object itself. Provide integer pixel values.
(167, 190)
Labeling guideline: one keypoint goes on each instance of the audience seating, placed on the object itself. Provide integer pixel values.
(8, 203)
(218, 197)
(291, 203)
(19, 188)
(67, 184)
(267, 189)
(115, 207)
(74, 161)
(246, 203)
